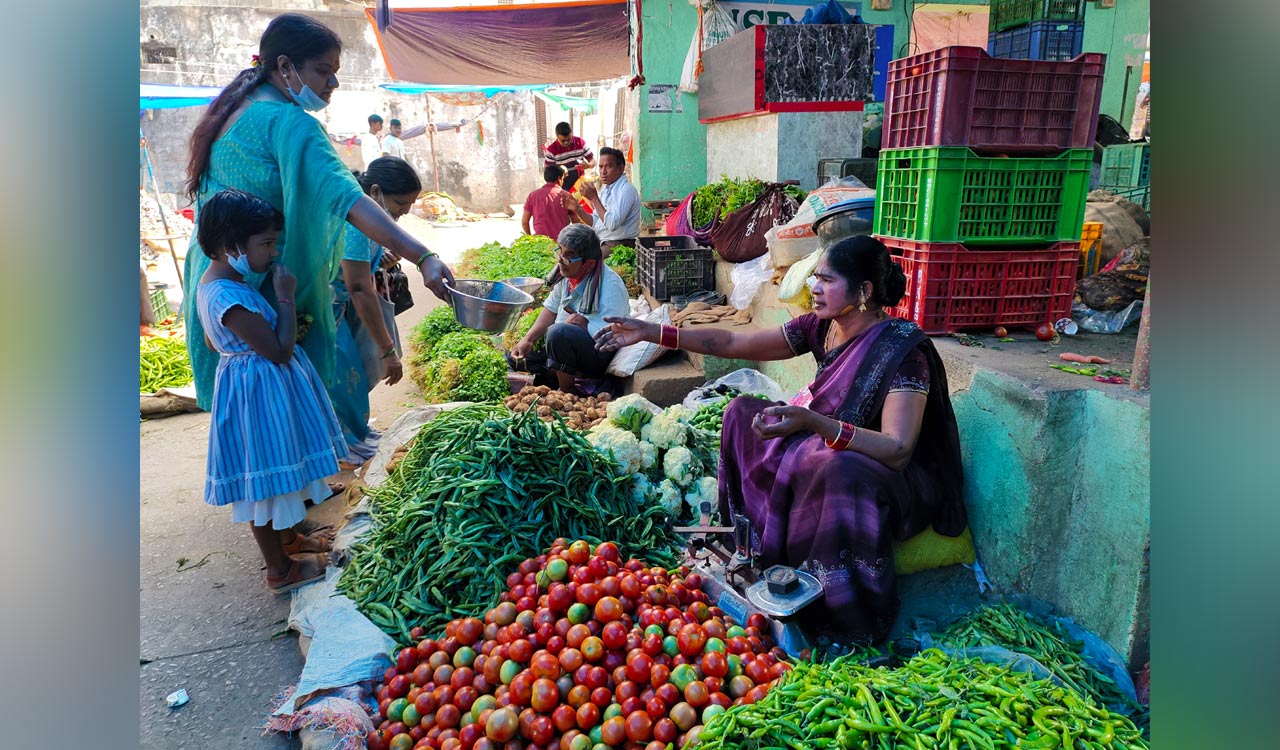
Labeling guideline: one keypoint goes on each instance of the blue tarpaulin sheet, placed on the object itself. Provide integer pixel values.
(167, 96)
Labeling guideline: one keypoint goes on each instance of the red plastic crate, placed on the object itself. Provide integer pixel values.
(950, 287)
(961, 96)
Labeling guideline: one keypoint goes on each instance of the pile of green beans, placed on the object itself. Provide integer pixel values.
(163, 363)
(933, 702)
(479, 491)
(1008, 626)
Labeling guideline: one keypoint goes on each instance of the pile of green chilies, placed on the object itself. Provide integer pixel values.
(933, 702)
(163, 363)
(479, 491)
(1010, 627)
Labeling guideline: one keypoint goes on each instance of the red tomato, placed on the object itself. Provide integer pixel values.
(639, 726)
(659, 674)
(406, 660)
(598, 567)
(655, 707)
(613, 732)
(630, 586)
(691, 639)
(589, 594)
(578, 695)
(422, 673)
(609, 551)
(696, 694)
(757, 620)
(1044, 332)
(469, 631)
(614, 634)
(468, 735)
(639, 667)
(588, 716)
(715, 664)
(578, 552)
(720, 699)
(576, 635)
(426, 704)
(465, 698)
(608, 609)
(714, 684)
(462, 677)
(520, 651)
(631, 705)
(602, 697)
(378, 739)
(544, 665)
(541, 730)
(448, 716)
(570, 659)
(544, 696)
(559, 598)
(399, 686)
(597, 677)
(564, 717)
(502, 725)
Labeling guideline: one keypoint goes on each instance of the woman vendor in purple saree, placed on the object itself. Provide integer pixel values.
(867, 454)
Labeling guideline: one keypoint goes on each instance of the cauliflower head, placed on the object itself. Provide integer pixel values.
(681, 413)
(669, 497)
(648, 454)
(620, 446)
(631, 412)
(641, 488)
(706, 488)
(679, 465)
(665, 431)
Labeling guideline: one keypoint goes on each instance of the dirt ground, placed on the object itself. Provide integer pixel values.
(207, 623)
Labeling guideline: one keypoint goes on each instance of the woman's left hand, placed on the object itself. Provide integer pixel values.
(393, 370)
(781, 421)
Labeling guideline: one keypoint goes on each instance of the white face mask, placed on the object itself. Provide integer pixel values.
(240, 263)
(306, 98)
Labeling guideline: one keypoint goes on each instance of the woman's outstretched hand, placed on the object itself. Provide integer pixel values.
(624, 332)
(435, 274)
(781, 421)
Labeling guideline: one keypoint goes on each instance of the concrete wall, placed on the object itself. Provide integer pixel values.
(784, 146)
(671, 149)
(1120, 32)
(214, 40)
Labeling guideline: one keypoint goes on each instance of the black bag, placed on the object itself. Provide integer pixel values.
(398, 289)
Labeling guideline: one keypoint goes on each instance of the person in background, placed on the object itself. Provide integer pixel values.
(276, 150)
(392, 145)
(368, 344)
(544, 206)
(617, 204)
(569, 151)
(273, 438)
(584, 292)
(148, 316)
(867, 454)
(371, 142)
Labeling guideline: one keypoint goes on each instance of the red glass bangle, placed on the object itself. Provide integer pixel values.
(669, 337)
(843, 437)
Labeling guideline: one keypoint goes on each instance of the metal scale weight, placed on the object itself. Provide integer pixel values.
(737, 585)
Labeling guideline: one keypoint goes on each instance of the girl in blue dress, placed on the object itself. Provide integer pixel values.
(273, 436)
(368, 343)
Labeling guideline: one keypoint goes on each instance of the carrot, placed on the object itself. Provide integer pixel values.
(1088, 360)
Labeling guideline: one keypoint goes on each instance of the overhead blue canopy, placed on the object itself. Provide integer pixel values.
(419, 88)
(167, 96)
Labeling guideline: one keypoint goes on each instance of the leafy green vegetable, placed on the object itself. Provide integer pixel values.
(522, 326)
(529, 255)
(458, 345)
(433, 327)
(484, 377)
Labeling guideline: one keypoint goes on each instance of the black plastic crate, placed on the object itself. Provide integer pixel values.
(673, 265)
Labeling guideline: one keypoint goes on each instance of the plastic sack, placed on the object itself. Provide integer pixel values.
(794, 288)
(747, 279)
(745, 380)
(638, 356)
(829, 12)
(929, 549)
(639, 307)
(795, 240)
(1106, 321)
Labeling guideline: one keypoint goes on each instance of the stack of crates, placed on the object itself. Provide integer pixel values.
(982, 184)
(1126, 171)
(1036, 29)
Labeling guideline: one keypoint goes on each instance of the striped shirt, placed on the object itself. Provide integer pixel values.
(567, 157)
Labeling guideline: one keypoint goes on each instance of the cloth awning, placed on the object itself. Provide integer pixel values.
(168, 96)
(568, 42)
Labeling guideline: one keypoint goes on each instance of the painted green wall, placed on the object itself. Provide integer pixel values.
(671, 149)
(1121, 33)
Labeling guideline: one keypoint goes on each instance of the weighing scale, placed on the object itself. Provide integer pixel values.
(735, 583)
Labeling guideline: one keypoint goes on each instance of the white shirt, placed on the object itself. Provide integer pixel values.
(370, 148)
(392, 146)
(613, 301)
(621, 211)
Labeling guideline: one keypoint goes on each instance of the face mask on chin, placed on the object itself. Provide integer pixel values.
(306, 98)
(240, 264)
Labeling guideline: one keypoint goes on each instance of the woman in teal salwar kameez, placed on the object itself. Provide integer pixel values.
(257, 136)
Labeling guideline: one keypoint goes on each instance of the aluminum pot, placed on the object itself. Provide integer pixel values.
(488, 306)
(526, 284)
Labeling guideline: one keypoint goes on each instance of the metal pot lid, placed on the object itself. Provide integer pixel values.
(846, 206)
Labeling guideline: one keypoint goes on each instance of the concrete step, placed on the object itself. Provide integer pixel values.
(667, 381)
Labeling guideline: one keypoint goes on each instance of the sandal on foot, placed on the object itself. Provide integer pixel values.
(297, 575)
(304, 543)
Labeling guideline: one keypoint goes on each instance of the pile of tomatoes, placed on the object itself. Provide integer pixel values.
(584, 652)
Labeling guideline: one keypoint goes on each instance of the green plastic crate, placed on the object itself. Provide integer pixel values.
(159, 304)
(1010, 14)
(950, 194)
(1126, 165)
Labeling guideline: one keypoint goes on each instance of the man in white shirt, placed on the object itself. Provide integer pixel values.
(371, 143)
(392, 145)
(616, 205)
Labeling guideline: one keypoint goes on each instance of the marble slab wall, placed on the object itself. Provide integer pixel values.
(819, 63)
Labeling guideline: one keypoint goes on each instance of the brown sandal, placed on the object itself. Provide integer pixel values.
(296, 577)
(319, 544)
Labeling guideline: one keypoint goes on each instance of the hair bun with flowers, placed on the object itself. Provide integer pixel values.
(256, 62)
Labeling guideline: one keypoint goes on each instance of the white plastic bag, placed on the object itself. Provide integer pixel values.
(796, 239)
(746, 381)
(630, 359)
(747, 279)
(1106, 321)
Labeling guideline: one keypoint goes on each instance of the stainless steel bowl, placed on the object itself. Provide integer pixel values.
(526, 284)
(489, 306)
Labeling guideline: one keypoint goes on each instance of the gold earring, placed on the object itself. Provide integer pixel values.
(862, 305)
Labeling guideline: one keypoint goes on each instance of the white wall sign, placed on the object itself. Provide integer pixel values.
(746, 14)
